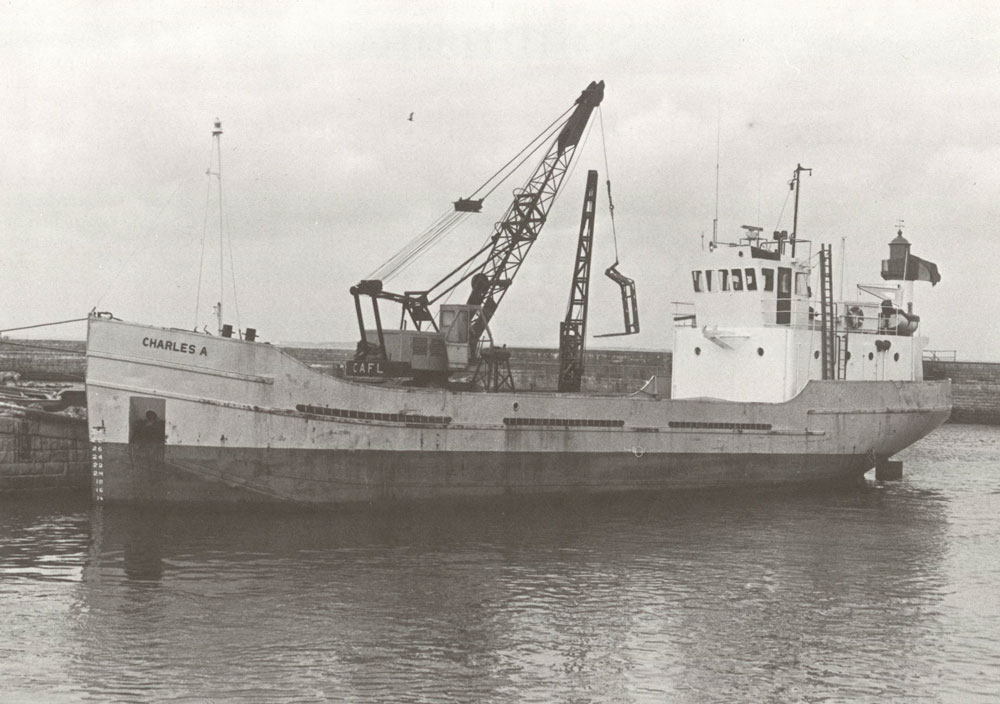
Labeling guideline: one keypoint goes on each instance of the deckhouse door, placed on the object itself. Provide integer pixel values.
(784, 307)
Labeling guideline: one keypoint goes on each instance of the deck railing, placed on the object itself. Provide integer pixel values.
(855, 317)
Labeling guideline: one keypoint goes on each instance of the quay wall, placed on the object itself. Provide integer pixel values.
(537, 369)
(975, 389)
(975, 385)
(43, 451)
(44, 360)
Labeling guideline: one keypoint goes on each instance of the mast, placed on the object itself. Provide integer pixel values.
(718, 139)
(797, 185)
(217, 148)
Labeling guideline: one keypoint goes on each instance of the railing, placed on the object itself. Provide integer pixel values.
(872, 318)
(684, 316)
(855, 317)
(940, 355)
(803, 248)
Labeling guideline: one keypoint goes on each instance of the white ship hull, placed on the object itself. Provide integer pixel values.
(245, 422)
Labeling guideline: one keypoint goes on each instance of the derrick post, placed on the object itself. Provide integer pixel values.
(573, 330)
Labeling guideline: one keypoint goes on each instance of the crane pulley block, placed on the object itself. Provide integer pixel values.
(468, 205)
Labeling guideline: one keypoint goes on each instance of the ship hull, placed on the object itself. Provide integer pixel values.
(246, 423)
(253, 475)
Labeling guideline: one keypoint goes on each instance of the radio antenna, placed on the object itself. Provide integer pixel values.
(718, 131)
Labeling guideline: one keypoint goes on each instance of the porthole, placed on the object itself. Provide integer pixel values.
(697, 350)
(848, 357)
(760, 351)
(895, 357)
(871, 355)
(516, 406)
(816, 354)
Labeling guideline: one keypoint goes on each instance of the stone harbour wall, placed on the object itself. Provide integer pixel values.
(43, 451)
(605, 371)
(975, 389)
(44, 360)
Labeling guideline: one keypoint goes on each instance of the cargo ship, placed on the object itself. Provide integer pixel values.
(773, 384)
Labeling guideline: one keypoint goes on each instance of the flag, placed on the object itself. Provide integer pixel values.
(910, 268)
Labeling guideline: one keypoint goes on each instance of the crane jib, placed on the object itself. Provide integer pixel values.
(524, 219)
(577, 122)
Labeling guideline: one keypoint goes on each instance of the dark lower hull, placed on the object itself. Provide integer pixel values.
(136, 473)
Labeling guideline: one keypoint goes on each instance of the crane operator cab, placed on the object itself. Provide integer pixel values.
(455, 322)
(417, 354)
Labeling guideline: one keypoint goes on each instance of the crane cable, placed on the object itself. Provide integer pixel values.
(607, 171)
(449, 220)
(434, 230)
(471, 265)
(541, 138)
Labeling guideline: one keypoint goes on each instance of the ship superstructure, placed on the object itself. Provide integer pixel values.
(755, 329)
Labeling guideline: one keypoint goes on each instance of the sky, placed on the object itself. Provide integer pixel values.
(109, 109)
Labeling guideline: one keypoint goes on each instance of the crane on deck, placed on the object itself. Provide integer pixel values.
(435, 348)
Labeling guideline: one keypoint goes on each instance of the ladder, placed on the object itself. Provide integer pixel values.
(842, 356)
(827, 321)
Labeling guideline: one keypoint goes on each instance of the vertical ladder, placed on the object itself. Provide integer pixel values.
(842, 356)
(827, 321)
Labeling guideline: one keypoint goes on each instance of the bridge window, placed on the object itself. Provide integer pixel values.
(784, 282)
(737, 279)
(768, 279)
(802, 284)
(696, 280)
(723, 280)
(708, 280)
(751, 279)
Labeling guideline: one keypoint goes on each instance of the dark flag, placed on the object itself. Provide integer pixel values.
(910, 268)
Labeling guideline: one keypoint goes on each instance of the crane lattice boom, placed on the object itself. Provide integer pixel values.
(524, 219)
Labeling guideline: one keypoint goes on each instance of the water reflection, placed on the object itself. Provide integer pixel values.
(697, 597)
(862, 595)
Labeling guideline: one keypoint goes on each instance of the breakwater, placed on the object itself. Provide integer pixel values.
(975, 385)
(44, 360)
(975, 389)
(43, 451)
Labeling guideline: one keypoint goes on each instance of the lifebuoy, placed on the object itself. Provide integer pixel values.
(855, 318)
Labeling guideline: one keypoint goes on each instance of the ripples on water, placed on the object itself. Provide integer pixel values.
(874, 594)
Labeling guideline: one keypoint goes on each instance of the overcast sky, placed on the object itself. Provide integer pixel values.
(108, 111)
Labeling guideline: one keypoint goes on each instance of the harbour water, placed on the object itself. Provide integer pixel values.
(872, 594)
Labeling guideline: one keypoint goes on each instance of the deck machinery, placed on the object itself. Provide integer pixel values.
(433, 349)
